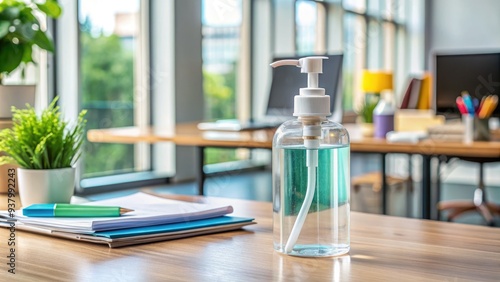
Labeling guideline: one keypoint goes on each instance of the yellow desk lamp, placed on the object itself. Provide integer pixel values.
(373, 84)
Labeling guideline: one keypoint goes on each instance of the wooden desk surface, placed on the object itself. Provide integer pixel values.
(189, 135)
(383, 248)
(5, 123)
(184, 134)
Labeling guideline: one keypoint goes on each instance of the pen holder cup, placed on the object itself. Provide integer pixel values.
(475, 129)
(481, 129)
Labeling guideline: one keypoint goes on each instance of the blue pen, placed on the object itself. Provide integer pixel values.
(468, 103)
(475, 101)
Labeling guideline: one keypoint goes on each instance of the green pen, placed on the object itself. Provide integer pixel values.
(69, 210)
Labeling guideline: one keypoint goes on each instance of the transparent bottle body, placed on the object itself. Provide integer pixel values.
(326, 228)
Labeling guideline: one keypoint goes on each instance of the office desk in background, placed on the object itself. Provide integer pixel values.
(189, 135)
(5, 123)
(383, 248)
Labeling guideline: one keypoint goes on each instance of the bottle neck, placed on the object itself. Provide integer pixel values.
(387, 96)
(311, 120)
(311, 131)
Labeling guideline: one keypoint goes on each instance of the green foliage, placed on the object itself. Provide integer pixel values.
(107, 76)
(102, 158)
(219, 94)
(219, 155)
(366, 109)
(107, 69)
(347, 90)
(42, 142)
(220, 103)
(20, 30)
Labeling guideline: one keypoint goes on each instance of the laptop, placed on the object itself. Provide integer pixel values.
(285, 84)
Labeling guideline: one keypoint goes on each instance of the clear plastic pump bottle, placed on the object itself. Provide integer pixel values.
(311, 175)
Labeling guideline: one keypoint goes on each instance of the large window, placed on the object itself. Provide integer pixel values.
(109, 52)
(221, 52)
(306, 24)
(221, 21)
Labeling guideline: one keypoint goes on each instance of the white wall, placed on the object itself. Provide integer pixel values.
(464, 24)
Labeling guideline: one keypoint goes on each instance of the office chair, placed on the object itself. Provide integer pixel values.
(373, 180)
(479, 203)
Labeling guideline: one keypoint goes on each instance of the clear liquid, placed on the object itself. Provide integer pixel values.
(326, 228)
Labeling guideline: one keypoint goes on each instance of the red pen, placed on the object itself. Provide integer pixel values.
(461, 105)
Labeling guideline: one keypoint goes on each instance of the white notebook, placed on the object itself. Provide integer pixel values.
(148, 210)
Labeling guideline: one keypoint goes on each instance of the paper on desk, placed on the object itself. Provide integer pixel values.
(406, 136)
(148, 210)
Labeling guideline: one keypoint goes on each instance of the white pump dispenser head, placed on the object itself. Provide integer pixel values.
(312, 101)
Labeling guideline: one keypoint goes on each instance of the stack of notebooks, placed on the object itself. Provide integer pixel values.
(153, 219)
(453, 131)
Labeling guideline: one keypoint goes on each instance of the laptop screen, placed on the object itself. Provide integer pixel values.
(287, 81)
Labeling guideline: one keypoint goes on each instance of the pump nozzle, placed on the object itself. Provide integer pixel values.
(312, 101)
(310, 65)
(286, 63)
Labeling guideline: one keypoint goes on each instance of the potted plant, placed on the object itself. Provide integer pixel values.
(45, 148)
(365, 114)
(20, 30)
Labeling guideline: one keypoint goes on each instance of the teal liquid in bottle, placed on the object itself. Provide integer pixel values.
(326, 230)
(295, 178)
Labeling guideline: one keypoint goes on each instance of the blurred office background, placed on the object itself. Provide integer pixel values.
(142, 62)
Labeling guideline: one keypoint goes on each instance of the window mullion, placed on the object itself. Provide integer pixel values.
(142, 88)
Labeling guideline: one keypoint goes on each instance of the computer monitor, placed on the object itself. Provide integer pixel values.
(478, 74)
(286, 82)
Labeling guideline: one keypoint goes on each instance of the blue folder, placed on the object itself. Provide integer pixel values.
(173, 227)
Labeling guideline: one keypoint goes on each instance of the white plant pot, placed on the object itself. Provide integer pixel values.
(367, 129)
(46, 185)
(17, 96)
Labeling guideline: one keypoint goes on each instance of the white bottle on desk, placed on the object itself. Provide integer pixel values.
(311, 174)
(383, 116)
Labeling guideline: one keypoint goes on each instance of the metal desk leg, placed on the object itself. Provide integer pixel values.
(426, 187)
(409, 189)
(200, 177)
(384, 185)
(437, 193)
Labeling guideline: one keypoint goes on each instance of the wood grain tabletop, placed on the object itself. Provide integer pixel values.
(383, 248)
